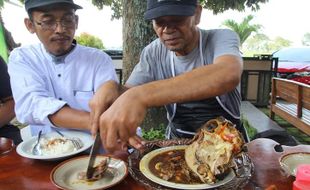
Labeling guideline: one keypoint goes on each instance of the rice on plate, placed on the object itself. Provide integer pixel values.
(56, 146)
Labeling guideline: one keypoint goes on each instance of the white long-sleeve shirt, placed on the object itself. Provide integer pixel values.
(42, 84)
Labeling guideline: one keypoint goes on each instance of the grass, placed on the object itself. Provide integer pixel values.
(295, 132)
(250, 130)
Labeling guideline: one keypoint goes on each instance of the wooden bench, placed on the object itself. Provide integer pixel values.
(265, 127)
(291, 101)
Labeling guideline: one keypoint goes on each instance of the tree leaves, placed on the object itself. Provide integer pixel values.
(89, 40)
(116, 6)
(244, 29)
(217, 6)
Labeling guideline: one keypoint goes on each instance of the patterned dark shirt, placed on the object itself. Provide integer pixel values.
(5, 87)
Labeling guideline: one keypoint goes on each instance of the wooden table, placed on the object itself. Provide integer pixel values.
(19, 173)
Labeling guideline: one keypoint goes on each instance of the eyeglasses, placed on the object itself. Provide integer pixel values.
(67, 22)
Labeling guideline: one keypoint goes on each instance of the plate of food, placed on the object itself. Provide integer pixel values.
(55, 147)
(214, 158)
(290, 162)
(167, 166)
(71, 174)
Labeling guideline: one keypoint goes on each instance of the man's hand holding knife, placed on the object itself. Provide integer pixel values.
(117, 118)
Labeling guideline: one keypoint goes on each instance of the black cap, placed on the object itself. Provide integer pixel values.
(31, 4)
(159, 8)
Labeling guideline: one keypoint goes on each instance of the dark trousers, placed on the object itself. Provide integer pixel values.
(12, 132)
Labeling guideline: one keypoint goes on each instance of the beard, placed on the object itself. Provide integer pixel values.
(176, 47)
(179, 49)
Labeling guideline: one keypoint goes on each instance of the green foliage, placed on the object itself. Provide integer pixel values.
(279, 43)
(159, 133)
(306, 39)
(250, 130)
(257, 43)
(217, 6)
(243, 29)
(1, 4)
(116, 6)
(89, 40)
(154, 134)
(262, 44)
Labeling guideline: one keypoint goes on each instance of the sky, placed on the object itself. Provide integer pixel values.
(284, 18)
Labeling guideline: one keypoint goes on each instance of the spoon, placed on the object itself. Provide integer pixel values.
(36, 149)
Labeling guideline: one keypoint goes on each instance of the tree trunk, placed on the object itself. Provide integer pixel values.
(137, 33)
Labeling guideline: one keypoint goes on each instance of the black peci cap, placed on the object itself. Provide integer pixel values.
(31, 4)
(159, 8)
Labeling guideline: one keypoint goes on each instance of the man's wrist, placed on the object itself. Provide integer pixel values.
(137, 93)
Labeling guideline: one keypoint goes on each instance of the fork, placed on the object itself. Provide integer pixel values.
(36, 149)
(76, 142)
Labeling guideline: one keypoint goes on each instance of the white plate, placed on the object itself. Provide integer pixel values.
(144, 168)
(290, 162)
(25, 148)
(65, 175)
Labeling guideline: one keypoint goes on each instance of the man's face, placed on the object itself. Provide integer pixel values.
(178, 33)
(55, 28)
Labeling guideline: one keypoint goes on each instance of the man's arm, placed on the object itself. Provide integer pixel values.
(6, 112)
(201, 83)
(120, 121)
(70, 118)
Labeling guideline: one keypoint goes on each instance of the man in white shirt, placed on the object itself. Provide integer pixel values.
(53, 81)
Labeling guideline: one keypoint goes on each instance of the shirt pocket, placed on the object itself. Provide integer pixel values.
(82, 98)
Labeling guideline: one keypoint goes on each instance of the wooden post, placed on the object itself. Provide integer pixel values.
(273, 97)
(299, 101)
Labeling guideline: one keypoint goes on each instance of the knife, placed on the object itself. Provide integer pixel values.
(92, 156)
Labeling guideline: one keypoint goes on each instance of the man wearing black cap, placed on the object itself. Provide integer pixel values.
(53, 81)
(193, 72)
